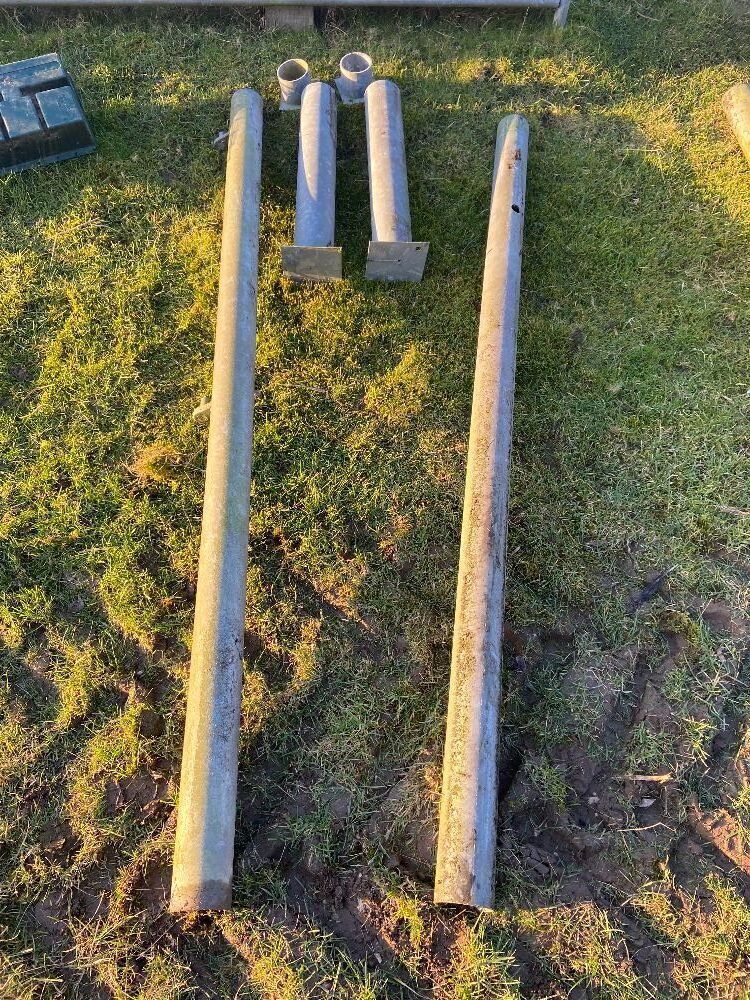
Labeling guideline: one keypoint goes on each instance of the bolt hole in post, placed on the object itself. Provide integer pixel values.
(293, 76)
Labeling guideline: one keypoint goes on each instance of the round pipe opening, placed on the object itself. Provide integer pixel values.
(292, 70)
(354, 64)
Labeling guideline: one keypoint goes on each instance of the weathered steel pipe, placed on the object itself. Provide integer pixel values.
(204, 848)
(391, 256)
(737, 107)
(468, 808)
(313, 255)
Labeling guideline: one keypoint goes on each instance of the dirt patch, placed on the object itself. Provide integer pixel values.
(51, 913)
(575, 814)
(722, 832)
(91, 899)
(407, 819)
(150, 891)
(58, 842)
(143, 793)
(720, 618)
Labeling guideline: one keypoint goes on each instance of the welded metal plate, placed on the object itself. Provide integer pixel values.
(312, 263)
(396, 261)
(41, 120)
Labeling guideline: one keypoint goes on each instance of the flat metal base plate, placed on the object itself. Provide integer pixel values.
(344, 94)
(396, 261)
(312, 263)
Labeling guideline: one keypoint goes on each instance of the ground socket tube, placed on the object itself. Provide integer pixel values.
(313, 256)
(356, 76)
(391, 255)
(293, 76)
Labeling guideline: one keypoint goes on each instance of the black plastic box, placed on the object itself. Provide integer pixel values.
(41, 119)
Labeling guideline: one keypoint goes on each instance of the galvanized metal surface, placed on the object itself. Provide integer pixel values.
(392, 255)
(313, 256)
(467, 835)
(294, 77)
(396, 261)
(356, 77)
(204, 849)
(737, 107)
(312, 263)
(561, 14)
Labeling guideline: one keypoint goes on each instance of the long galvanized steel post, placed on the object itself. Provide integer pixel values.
(737, 108)
(204, 849)
(391, 256)
(467, 835)
(313, 255)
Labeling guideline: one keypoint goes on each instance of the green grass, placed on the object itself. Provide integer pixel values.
(631, 441)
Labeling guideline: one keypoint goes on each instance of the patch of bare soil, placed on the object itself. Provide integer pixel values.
(51, 915)
(58, 842)
(143, 793)
(406, 820)
(354, 907)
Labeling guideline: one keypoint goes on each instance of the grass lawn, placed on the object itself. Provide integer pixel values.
(624, 856)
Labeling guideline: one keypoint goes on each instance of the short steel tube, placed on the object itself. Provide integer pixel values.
(313, 255)
(392, 256)
(293, 76)
(356, 77)
(737, 107)
(204, 848)
(468, 809)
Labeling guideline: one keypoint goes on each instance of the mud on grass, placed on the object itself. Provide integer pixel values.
(623, 858)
